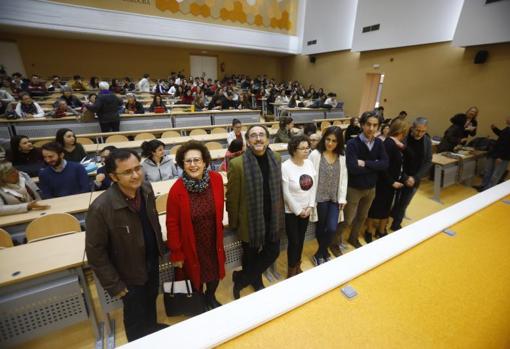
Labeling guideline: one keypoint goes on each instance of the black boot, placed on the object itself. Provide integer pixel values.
(211, 301)
(238, 285)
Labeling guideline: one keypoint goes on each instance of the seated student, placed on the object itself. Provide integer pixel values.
(132, 105)
(26, 108)
(227, 101)
(157, 166)
(318, 103)
(77, 84)
(129, 86)
(94, 83)
(157, 105)
(236, 132)
(498, 158)
(55, 84)
(115, 86)
(18, 193)
(18, 84)
(454, 135)
(235, 149)
(188, 97)
(71, 100)
(331, 101)
(244, 101)
(353, 130)
(5, 97)
(144, 84)
(160, 87)
(24, 156)
(61, 177)
(385, 130)
(285, 131)
(91, 98)
(73, 151)
(282, 98)
(62, 109)
(103, 181)
(199, 103)
(216, 102)
(36, 87)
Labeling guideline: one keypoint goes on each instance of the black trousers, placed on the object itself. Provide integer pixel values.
(140, 316)
(112, 126)
(256, 260)
(295, 227)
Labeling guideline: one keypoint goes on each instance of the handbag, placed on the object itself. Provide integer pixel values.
(177, 302)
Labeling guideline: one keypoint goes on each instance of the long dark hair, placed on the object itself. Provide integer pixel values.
(337, 131)
(148, 147)
(15, 141)
(59, 137)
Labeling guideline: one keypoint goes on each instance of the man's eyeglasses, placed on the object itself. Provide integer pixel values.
(191, 161)
(129, 173)
(304, 149)
(261, 135)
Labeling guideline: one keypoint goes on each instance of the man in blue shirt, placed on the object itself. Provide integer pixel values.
(61, 177)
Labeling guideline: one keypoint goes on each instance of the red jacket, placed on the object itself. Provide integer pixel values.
(180, 235)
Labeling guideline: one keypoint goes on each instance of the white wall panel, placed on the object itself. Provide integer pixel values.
(405, 22)
(481, 23)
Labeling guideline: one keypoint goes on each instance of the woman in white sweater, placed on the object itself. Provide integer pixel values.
(298, 182)
(331, 190)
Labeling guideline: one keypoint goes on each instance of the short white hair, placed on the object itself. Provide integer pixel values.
(103, 85)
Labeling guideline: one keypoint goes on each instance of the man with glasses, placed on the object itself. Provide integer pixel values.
(416, 165)
(255, 207)
(124, 242)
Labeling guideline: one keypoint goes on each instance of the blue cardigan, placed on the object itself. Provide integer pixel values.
(376, 160)
(72, 180)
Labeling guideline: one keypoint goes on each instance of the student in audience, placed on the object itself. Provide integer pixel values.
(331, 189)
(160, 87)
(77, 84)
(331, 101)
(299, 182)
(144, 84)
(417, 163)
(157, 105)
(124, 242)
(102, 180)
(71, 100)
(27, 108)
(401, 116)
(5, 97)
(498, 158)
(128, 86)
(379, 111)
(195, 221)
(385, 130)
(285, 131)
(36, 87)
(62, 109)
(365, 158)
(309, 129)
(188, 97)
(91, 98)
(18, 193)
(199, 103)
(115, 86)
(157, 166)
(255, 207)
(61, 177)
(227, 101)
(94, 83)
(235, 149)
(314, 140)
(244, 101)
(282, 98)
(470, 122)
(107, 107)
(454, 135)
(353, 130)
(55, 84)
(237, 132)
(389, 182)
(73, 151)
(24, 156)
(132, 105)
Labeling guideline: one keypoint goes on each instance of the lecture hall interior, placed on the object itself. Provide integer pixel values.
(226, 90)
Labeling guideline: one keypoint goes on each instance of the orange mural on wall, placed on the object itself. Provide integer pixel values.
(268, 15)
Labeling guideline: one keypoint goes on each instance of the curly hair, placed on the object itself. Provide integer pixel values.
(192, 145)
(294, 143)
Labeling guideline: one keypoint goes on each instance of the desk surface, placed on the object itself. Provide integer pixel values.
(41, 258)
(446, 292)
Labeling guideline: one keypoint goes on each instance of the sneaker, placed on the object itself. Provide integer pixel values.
(368, 237)
(355, 243)
(317, 260)
(335, 249)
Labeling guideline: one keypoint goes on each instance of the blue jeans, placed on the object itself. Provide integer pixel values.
(403, 198)
(327, 213)
(493, 173)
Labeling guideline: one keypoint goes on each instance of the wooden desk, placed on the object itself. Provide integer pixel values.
(43, 288)
(305, 115)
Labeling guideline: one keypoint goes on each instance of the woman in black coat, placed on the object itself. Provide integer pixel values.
(454, 135)
(388, 183)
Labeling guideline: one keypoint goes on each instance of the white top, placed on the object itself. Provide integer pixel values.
(40, 112)
(232, 135)
(297, 189)
(144, 85)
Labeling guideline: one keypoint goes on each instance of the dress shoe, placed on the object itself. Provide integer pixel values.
(368, 237)
(317, 260)
(212, 302)
(158, 327)
(237, 285)
(395, 227)
(380, 235)
(355, 243)
(258, 284)
(299, 270)
(291, 271)
(335, 249)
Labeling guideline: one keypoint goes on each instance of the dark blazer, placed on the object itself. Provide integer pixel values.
(107, 107)
(115, 242)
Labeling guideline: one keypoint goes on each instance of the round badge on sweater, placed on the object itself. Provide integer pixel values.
(305, 182)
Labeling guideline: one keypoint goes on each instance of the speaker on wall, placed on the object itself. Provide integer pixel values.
(312, 59)
(481, 57)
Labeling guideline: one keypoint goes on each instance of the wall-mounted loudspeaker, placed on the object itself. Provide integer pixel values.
(481, 57)
(312, 59)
